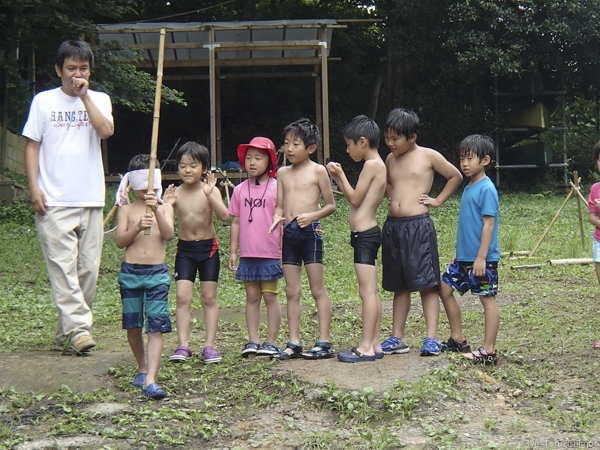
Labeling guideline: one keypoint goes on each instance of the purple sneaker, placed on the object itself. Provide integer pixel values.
(211, 355)
(182, 353)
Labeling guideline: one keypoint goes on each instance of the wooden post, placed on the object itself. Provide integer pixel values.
(213, 100)
(324, 91)
(551, 223)
(218, 116)
(157, 98)
(319, 111)
(577, 180)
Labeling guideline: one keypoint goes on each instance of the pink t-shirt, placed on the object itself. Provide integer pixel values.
(258, 203)
(594, 194)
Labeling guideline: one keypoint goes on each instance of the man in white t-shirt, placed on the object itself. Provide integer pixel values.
(63, 160)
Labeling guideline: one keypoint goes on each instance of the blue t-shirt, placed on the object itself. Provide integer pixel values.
(478, 200)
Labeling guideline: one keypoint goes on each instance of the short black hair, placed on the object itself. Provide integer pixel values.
(305, 130)
(362, 126)
(78, 50)
(403, 122)
(195, 151)
(140, 162)
(595, 154)
(479, 145)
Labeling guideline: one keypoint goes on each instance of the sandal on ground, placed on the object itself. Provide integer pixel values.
(139, 380)
(182, 353)
(322, 350)
(268, 349)
(597, 344)
(379, 355)
(154, 392)
(481, 356)
(295, 348)
(456, 346)
(353, 355)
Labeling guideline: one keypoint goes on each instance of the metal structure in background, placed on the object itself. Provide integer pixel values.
(218, 45)
(527, 123)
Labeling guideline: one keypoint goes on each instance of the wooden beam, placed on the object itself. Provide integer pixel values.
(319, 112)
(206, 26)
(218, 118)
(237, 62)
(237, 46)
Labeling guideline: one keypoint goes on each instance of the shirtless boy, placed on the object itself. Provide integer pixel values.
(409, 251)
(362, 137)
(195, 201)
(144, 278)
(299, 189)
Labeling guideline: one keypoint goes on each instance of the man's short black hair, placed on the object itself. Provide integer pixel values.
(362, 126)
(78, 50)
(479, 145)
(139, 162)
(403, 122)
(305, 130)
(195, 151)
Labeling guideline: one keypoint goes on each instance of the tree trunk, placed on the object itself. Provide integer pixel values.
(373, 102)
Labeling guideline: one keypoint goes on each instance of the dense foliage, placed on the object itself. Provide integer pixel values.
(438, 58)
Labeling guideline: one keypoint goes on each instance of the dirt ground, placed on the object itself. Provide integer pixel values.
(287, 424)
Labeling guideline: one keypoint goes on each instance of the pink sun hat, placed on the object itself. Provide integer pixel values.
(261, 143)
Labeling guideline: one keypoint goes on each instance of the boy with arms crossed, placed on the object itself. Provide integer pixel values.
(195, 201)
(475, 265)
(144, 278)
(362, 137)
(409, 250)
(299, 189)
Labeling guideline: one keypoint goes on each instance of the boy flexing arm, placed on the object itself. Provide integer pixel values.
(362, 137)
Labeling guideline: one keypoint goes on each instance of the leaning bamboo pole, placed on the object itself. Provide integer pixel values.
(157, 98)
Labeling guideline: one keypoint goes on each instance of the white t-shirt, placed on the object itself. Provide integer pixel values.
(71, 171)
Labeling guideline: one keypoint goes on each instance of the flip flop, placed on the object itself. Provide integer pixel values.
(597, 344)
(353, 355)
(139, 380)
(154, 392)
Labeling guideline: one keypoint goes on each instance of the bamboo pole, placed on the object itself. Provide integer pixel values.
(527, 266)
(157, 98)
(551, 223)
(560, 262)
(577, 180)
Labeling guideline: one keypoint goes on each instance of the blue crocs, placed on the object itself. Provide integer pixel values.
(154, 392)
(139, 380)
(353, 355)
(431, 347)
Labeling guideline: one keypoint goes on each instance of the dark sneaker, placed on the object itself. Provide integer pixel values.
(249, 349)
(431, 347)
(211, 355)
(481, 356)
(456, 346)
(394, 345)
(268, 349)
(296, 352)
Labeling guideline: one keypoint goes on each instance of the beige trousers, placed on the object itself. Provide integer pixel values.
(71, 240)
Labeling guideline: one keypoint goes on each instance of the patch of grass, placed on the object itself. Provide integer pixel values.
(548, 373)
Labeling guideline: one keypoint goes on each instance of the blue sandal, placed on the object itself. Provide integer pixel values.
(323, 351)
(154, 392)
(295, 348)
(139, 380)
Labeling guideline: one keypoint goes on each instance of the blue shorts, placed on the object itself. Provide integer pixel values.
(302, 244)
(366, 245)
(197, 256)
(460, 277)
(145, 294)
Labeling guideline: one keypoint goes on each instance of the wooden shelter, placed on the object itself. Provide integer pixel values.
(217, 45)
